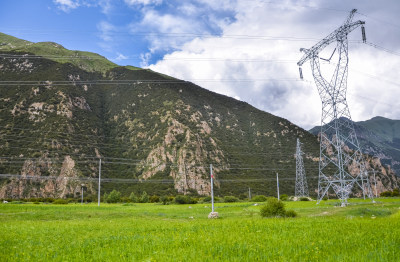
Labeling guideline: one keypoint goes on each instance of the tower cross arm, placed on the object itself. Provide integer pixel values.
(337, 35)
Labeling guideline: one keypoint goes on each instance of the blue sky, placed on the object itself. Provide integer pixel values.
(246, 49)
(122, 30)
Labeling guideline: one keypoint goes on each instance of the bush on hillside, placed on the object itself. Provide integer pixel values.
(284, 197)
(179, 199)
(304, 199)
(259, 198)
(60, 202)
(144, 198)
(386, 194)
(154, 199)
(275, 208)
(113, 197)
(133, 197)
(164, 200)
(231, 199)
(242, 196)
(207, 199)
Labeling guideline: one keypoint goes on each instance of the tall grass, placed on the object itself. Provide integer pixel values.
(150, 232)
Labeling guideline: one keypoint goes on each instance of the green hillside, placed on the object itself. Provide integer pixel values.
(152, 132)
(87, 61)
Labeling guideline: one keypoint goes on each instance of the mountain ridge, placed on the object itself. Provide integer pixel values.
(379, 137)
(153, 133)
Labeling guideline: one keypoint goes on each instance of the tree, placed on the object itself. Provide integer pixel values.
(114, 197)
(133, 197)
(144, 198)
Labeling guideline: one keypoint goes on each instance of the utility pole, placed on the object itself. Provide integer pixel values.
(301, 187)
(212, 188)
(339, 147)
(82, 185)
(186, 184)
(376, 192)
(212, 214)
(277, 184)
(249, 194)
(98, 192)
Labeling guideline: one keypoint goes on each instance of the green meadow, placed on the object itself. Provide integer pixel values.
(362, 231)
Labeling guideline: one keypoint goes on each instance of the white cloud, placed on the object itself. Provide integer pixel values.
(167, 31)
(144, 59)
(106, 29)
(221, 63)
(106, 6)
(66, 5)
(142, 2)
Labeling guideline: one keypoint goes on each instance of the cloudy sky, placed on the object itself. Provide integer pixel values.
(246, 49)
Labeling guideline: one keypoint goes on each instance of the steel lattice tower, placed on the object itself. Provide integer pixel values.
(301, 188)
(341, 164)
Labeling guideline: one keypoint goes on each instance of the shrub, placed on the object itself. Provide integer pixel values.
(230, 199)
(164, 200)
(207, 199)
(144, 198)
(179, 199)
(284, 197)
(242, 196)
(133, 197)
(259, 198)
(275, 208)
(105, 197)
(395, 192)
(386, 194)
(71, 200)
(171, 198)
(60, 202)
(48, 200)
(304, 199)
(125, 200)
(291, 213)
(113, 197)
(154, 199)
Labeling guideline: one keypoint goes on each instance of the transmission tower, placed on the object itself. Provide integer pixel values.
(341, 164)
(301, 188)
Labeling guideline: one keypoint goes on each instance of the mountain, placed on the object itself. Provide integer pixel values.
(378, 137)
(62, 111)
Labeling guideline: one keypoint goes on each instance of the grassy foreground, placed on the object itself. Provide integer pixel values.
(152, 232)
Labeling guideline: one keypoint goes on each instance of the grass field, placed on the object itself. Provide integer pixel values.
(361, 231)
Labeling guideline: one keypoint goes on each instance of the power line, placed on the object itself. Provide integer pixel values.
(135, 180)
(383, 48)
(380, 20)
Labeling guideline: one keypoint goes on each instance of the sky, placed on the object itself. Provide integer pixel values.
(245, 49)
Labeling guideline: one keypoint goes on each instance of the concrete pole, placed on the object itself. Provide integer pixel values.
(249, 194)
(277, 184)
(212, 188)
(376, 192)
(98, 192)
(82, 194)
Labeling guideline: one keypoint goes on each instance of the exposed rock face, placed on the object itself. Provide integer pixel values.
(186, 154)
(42, 178)
(382, 178)
(386, 179)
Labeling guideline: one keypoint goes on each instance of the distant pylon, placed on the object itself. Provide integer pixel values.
(301, 188)
(341, 163)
